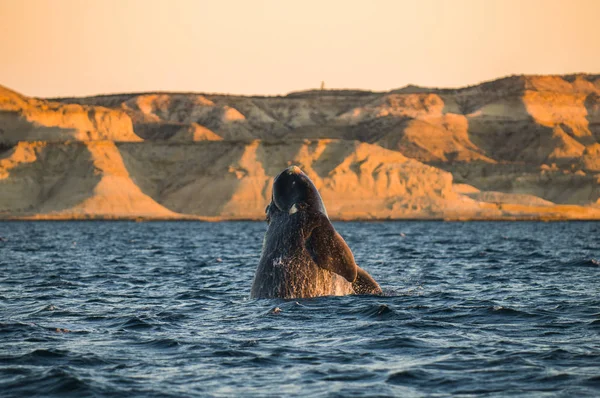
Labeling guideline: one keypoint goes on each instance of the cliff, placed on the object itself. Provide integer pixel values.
(522, 147)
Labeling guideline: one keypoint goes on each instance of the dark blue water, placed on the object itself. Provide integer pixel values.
(162, 309)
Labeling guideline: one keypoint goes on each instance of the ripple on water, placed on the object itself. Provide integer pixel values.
(58, 381)
(163, 309)
(159, 343)
(587, 262)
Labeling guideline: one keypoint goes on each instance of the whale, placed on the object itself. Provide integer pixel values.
(302, 253)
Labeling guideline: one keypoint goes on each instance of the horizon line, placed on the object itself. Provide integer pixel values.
(308, 90)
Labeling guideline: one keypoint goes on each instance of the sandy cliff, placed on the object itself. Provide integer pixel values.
(518, 147)
(30, 119)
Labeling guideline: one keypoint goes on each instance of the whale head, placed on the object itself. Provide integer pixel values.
(294, 191)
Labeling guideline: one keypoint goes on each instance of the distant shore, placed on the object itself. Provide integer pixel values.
(517, 148)
(218, 220)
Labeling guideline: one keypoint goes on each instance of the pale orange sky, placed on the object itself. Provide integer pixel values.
(77, 47)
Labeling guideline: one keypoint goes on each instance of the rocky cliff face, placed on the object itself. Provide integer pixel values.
(518, 147)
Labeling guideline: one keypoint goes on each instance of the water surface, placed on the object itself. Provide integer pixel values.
(162, 309)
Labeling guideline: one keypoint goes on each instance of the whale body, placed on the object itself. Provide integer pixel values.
(302, 253)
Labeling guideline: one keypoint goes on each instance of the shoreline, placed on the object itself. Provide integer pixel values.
(333, 219)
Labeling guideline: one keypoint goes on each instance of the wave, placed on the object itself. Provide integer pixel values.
(395, 342)
(595, 324)
(408, 376)
(160, 343)
(45, 357)
(584, 262)
(451, 324)
(59, 380)
(499, 310)
(136, 323)
(16, 327)
(379, 312)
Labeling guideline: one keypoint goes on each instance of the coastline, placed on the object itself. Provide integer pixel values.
(517, 148)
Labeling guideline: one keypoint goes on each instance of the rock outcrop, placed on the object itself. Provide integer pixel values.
(522, 147)
(30, 119)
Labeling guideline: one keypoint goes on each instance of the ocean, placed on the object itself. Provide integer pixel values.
(162, 309)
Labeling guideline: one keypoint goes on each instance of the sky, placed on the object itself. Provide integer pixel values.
(51, 48)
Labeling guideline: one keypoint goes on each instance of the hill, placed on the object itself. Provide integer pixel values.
(520, 147)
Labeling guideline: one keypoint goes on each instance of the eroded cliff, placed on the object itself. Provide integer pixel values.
(518, 147)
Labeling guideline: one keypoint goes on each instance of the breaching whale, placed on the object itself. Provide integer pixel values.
(302, 253)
